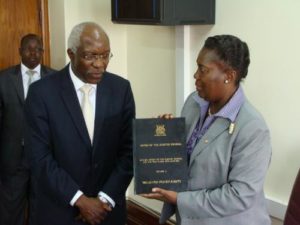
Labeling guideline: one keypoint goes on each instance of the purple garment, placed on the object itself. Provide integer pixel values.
(229, 111)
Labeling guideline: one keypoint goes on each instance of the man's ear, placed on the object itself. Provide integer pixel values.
(71, 54)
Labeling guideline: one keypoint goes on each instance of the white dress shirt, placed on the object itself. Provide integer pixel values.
(25, 77)
(92, 96)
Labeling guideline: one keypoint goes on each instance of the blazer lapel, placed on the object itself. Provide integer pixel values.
(71, 101)
(196, 116)
(217, 127)
(195, 113)
(43, 71)
(102, 97)
(18, 83)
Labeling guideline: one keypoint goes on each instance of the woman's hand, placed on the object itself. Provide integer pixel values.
(162, 195)
(166, 116)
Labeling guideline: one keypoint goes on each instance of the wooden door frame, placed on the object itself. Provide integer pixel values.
(44, 24)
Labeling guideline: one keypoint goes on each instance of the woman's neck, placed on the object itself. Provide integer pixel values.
(216, 106)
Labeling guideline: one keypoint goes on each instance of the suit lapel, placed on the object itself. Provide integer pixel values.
(195, 113)
(71, 101)
(43, 71)
(196, 116)
(218, 126)
(18, 83)
(102, 97)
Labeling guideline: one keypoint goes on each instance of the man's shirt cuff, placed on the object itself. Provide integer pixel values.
(106, 199)
(76, 197)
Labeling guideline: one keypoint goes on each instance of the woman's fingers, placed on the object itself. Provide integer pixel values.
(166, 116)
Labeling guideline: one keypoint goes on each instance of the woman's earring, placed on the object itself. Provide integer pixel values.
(226, 81)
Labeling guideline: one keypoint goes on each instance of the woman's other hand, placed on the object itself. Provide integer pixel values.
(162, 195)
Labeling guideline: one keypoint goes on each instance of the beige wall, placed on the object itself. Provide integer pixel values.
(146, 56)
(57, 33)
(271, 29)
(151, 57)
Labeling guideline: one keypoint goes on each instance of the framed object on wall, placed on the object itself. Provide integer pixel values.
(163, 12)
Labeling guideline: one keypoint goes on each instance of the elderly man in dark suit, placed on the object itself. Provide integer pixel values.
(14, 83)
(79, 138)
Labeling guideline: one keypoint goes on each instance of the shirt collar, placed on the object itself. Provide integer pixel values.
(77, 82)
(24, 69)
(228, 111)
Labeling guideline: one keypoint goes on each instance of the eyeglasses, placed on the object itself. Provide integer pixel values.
(93, 57)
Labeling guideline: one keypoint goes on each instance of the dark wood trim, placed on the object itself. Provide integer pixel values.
(44, 22)
(138, 214)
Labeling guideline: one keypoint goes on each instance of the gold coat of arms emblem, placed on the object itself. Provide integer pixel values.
(160, 130)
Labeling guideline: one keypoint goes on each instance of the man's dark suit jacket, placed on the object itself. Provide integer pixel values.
(14, 174)
(61, 155)
(12, 118)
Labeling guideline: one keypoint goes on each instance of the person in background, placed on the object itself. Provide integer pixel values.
(14, 84)
(79, 141)
(228, 144)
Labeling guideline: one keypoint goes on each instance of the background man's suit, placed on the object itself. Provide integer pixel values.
(61, 155)
(13, 169)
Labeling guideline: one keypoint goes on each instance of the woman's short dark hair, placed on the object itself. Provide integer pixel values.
(232, 51)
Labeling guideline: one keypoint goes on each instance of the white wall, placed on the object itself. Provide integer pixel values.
(146, 55)
(150, 58)
(271, 29)
(57, 33)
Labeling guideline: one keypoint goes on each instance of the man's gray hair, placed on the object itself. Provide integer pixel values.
(74, 38)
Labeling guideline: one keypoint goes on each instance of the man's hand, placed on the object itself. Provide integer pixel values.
(162, 195)
(92, 210)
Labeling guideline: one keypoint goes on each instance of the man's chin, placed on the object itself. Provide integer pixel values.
(95, 79)
(32, 65)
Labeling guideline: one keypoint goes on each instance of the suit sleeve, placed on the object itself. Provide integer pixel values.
(119, 179)
(250, 159)
(54, 180)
